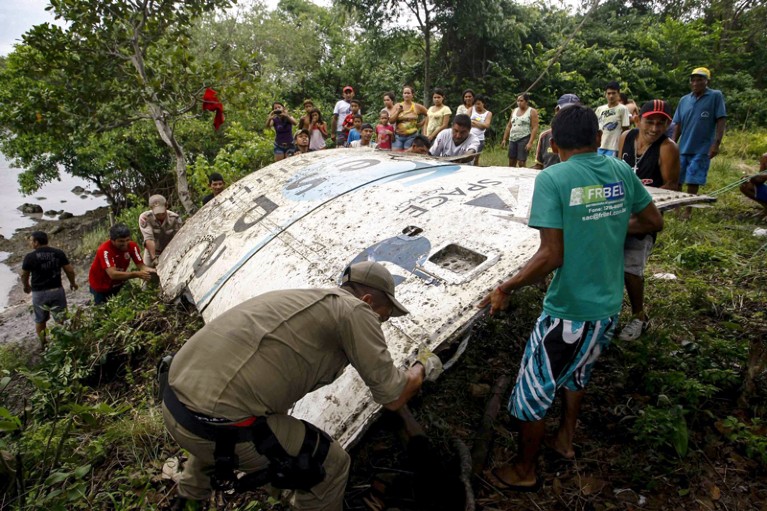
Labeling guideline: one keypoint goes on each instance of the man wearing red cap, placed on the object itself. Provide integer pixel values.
(340, 111)
(655, 159)
(230, 386)
(700, 122)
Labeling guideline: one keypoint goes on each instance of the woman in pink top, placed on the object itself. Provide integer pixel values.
(318, 129)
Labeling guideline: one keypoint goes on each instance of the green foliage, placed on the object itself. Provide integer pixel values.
(77, 427)
(245, 152)
(661, 428)
(752, 436)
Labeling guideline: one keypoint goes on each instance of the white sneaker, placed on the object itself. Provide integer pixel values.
(633, 330)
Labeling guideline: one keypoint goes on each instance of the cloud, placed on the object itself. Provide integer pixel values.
(17, 17)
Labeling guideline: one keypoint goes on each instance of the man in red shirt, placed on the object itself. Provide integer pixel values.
(109, 269)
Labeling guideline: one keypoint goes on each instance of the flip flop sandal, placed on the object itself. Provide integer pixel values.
(552, 454)
(524, 488)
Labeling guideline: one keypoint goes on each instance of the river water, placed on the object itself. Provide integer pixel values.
(56, 196)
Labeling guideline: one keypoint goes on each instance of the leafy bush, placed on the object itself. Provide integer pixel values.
(661, 428)
(73, 435)
(245, 152)
(752, 437)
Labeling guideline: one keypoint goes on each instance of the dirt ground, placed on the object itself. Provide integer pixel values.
(16, 322)
(609, 472)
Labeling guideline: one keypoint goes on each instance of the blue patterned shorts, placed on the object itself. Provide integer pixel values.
(559, 353)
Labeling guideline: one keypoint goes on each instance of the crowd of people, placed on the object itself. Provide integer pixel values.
(265, 354)
(402, 126)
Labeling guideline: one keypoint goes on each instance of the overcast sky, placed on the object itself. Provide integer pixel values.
(18, 16)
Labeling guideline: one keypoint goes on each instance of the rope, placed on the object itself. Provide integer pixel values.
(558, 52)
(733, 185)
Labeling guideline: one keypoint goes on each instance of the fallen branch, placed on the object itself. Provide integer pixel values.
(484, 437)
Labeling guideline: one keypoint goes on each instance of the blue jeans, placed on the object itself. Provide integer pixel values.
(402, 142)
(102, 297)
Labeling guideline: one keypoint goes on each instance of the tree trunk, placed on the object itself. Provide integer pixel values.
(161, 123)
(166, 133)
(427, 66)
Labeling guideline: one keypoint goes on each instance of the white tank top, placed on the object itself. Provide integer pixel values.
(480, 118)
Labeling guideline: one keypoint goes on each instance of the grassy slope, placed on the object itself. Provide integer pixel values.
(654, 427)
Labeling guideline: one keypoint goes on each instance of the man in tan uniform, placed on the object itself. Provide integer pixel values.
(242, 372)
(158, 226)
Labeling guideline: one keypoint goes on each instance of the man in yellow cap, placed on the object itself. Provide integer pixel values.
(230, 386)
(700, 121)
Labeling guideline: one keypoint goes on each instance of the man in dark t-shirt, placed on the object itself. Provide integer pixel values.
(216, 184)
(44, 266)
(545, 156)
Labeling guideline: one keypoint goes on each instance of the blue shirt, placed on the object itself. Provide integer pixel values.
(697, 117)
(352, 136)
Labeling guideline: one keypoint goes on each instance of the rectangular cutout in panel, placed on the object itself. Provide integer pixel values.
(457, 259)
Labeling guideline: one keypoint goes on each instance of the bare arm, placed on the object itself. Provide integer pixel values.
(549, 257)
(415, 376)
(620, 144)
(669, 165)
(143, 273)
(333, 124)
(484, 125)
(720, 125)
(677, 132)
(151, 248)
(646, 221)
(70, 272)
(398, 108)
(507, 132)
(533, 128)
(25, 281)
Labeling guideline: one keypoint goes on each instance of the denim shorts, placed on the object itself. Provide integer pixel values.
(559, 353)
(607, 152)
(402, 142)
(693, 169)
(761, 193)
(48, 301)
(283, 148)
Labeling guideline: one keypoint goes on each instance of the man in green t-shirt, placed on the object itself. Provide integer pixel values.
(583, 207)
